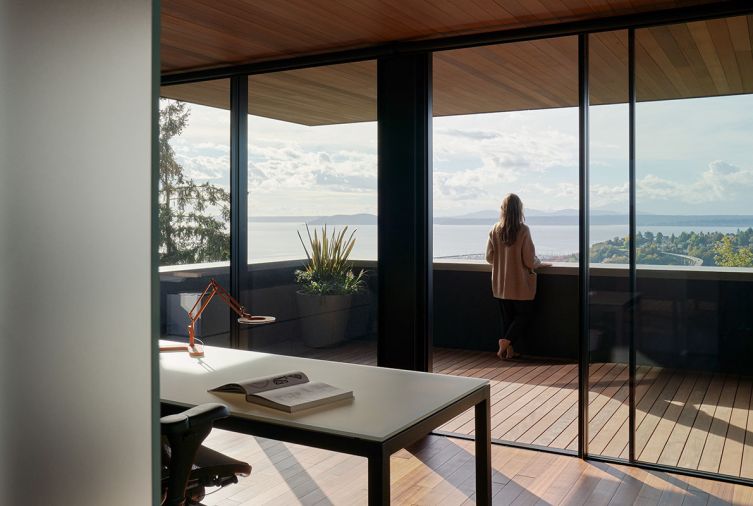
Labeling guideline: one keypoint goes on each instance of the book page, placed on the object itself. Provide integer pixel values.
(267, 383)
(304, 394)
(255, 385)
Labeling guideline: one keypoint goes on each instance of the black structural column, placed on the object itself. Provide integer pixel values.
(405, 211)
(238, 196)
(632, 252)
(583, 265)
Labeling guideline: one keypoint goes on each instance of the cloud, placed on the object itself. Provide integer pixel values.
(284, 165)
(204, 167)
(469, 134)
(524, 148)
(721, 182)
(213, 147)
(340, 182)
(722, 168)
(475, 167)
(605, 196)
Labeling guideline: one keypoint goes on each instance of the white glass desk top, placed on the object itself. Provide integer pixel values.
(387, 401)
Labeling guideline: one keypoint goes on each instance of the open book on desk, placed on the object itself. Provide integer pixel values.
(289, 392)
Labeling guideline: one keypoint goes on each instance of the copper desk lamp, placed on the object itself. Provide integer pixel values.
(213, 288)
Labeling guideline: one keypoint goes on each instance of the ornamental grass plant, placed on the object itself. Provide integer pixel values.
(328, 271)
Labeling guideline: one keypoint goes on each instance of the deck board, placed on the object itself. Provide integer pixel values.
(734, 443)
(645, 397)
(660, 421)
(711, 456)
(746, 469)
(543, 431)
(691, 454)
(692, 419)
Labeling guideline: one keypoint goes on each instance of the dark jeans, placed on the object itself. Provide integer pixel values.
(516, 315)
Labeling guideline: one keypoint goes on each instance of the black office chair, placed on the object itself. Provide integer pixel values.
(187, 466)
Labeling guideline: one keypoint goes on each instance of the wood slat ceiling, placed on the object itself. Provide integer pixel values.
(200, 34)
(698, 59)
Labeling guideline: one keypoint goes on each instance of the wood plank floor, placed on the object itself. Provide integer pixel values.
(440, 471)
(687, 419)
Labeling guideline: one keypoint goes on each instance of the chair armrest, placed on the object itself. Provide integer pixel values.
(195, 418)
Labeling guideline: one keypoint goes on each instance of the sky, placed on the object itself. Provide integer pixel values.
(693, 157)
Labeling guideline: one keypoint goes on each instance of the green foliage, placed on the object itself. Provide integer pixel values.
(730, 255)
(713, 248)
(609, 252)
(328, 271)
(190, 230)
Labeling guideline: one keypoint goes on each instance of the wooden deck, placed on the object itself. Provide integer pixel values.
(686, 419)
(440, 471)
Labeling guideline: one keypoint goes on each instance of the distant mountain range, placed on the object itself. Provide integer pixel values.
(533, 217)
(335, 219)
(494, 214)
(345, 219)
(570, 217)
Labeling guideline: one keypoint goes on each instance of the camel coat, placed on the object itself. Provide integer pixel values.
(513, 277)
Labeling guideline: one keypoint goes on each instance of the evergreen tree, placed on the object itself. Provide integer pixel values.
(193, 217)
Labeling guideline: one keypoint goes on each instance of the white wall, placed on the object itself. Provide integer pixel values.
(75, 361)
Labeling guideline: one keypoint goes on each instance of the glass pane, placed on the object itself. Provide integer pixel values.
(194, 207)
(313, 164)
(609, 288)
(695, 281)
(506, 121)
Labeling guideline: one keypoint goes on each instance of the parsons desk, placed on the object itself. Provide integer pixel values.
(392, 408)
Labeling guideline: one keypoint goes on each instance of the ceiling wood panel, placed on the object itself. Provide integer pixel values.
(608, 50)
(741, 43)
(697, 59)
(200, 34)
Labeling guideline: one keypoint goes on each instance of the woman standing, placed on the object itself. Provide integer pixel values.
(513, 258)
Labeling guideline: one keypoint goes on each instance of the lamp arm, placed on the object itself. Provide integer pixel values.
(211, 286)
(231, 302)
(212, 289)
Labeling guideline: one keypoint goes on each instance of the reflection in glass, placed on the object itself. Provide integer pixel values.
(313, 164)
(694, 125)
(194, 207)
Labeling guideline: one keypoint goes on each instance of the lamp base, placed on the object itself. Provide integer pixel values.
(196, 350)
(257, 320)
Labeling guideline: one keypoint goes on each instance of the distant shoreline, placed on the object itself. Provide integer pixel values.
(643, 220)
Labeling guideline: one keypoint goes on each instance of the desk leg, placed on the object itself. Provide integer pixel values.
(483, 453)
(379, 479)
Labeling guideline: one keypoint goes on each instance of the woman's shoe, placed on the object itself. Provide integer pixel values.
(504, 345)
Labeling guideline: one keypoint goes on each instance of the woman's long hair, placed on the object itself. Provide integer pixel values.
(510, 219)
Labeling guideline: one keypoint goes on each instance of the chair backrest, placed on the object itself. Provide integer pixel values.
(184, 432)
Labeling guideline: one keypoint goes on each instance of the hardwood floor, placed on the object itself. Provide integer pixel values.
(440, 471)
(683, 418)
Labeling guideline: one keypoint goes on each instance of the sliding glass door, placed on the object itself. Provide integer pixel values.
(609, 243)
(694, 181)
(312, 173)
(506, 121)
(670, 330)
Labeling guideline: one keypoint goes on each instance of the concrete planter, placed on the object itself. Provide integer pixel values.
(324, 318)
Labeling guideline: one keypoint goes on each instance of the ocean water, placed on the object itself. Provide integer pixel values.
(279, 241)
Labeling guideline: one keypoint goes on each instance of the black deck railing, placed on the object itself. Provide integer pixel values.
(687, 317)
